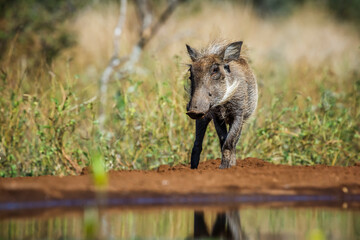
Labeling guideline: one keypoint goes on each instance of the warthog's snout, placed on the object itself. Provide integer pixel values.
(195, 115)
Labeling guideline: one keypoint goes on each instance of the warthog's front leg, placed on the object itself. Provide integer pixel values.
(201, 125)
(229, 148)
(221, 130)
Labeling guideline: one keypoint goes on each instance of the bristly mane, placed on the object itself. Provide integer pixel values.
(215, 47)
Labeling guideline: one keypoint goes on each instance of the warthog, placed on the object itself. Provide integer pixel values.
(223, 89)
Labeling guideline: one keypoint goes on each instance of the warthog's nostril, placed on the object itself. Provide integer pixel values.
(210, 94)
(195, 115)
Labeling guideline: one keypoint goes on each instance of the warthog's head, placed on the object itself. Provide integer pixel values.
(211, 77)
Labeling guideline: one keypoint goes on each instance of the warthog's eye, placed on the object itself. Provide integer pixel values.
(227, 67)
(215, 72)
(214, 69)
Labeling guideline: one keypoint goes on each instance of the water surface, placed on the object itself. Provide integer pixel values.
(251, 222)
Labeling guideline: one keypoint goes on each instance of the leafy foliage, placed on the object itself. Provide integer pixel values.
(34, 27)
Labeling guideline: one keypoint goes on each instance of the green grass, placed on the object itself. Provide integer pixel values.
(44, 130)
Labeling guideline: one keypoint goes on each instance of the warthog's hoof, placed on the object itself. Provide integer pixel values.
(228, 159)
(224, 165)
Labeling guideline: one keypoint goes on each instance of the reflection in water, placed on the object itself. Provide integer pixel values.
(227, 225)
(166, 223)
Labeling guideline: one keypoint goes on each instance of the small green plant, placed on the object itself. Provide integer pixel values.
(98, 171)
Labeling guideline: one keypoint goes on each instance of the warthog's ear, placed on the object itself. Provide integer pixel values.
(192, 53)
(232, 51)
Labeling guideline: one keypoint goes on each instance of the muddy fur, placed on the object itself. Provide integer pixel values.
(223, 89)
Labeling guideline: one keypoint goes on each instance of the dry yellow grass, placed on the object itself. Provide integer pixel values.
(309, 36)
(305, 43)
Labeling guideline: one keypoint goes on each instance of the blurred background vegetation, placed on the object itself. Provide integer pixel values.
(305, 55)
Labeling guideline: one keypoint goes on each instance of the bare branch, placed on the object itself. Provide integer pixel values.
(114, 62)
(148, 35)
(119, 27)
(148, 30)
(163, 18)
(145, 14)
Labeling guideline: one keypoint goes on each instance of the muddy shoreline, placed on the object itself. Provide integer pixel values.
(250, 177)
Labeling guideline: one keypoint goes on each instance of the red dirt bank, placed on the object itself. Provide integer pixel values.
(250, 176)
